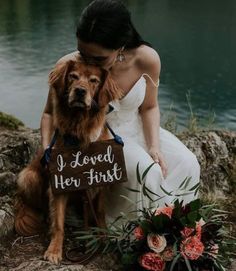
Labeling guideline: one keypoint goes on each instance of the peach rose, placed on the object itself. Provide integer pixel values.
(138, 233)
(168, 254)
(186, 232)
(199, 230)
(152, 261)
(156, 242)
(167, 210)
(192, 248)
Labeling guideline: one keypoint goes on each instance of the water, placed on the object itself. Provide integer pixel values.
(195, 39)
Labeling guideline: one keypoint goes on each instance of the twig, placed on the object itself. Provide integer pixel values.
(22, 238)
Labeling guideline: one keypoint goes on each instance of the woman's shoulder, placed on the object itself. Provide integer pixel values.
(148, 61)
(70, 56)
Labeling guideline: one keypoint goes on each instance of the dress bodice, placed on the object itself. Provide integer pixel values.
(125, 118)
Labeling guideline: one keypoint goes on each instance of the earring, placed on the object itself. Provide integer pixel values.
(121, 56)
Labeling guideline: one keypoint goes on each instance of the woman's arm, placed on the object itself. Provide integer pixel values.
(149, 110)
(46, 125)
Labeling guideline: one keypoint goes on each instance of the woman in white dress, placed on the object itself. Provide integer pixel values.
(107, 37)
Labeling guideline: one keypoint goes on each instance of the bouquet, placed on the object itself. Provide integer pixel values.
(176, 237)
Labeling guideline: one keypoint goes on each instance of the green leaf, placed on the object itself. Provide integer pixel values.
(151, 192)
(146, 226)
(195, 205)
(145, 192)
(92, 249)
(194, 187)
(183, 194)
(183, 182)
(219, 265)
(128, 199)
(195, 193)
(188, 264)
(160, 222)
(132, 190)
(167, 193)
(138, 174)
(187, 183)
(147, 170)
(92, 242)
(106, 248)
(128, 259)
(85, 237)
(192, 217)
(174, 262)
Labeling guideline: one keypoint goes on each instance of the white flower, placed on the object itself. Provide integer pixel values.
(156, 242)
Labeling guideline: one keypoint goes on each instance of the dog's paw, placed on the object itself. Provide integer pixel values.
(53, 255)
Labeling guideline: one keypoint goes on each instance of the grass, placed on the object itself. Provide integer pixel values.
(9, 121)
(194, 123)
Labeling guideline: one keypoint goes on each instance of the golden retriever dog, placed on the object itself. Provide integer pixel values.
(78, 102)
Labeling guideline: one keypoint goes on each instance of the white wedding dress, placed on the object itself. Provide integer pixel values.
(181, 162)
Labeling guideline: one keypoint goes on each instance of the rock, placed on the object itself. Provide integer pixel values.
(216, 153)
(17, 148)
(7, 182)
(6, 220)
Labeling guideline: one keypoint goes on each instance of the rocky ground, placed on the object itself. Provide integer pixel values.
(215, 150)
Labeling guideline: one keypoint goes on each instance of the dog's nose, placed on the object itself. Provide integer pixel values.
(80, 92)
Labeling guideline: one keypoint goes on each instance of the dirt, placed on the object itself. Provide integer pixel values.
(26, 254)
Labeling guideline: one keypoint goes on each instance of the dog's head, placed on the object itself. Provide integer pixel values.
(82, 86)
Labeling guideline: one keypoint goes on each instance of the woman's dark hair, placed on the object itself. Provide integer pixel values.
(108, 23)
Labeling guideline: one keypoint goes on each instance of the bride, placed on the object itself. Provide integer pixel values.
(107, 37)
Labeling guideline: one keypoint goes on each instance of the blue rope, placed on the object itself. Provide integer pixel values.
(47, 153)
(117, 138)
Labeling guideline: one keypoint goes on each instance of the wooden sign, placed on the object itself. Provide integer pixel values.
(101, 164)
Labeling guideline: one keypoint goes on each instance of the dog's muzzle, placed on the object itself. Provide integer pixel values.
(78, 98)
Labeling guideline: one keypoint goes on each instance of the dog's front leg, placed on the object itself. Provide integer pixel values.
(57, 214)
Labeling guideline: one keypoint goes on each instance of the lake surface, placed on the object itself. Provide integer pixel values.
(196, 41)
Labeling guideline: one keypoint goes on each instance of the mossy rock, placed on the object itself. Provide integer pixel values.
(9, 121)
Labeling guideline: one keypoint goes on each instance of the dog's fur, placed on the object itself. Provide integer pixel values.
(74, 86)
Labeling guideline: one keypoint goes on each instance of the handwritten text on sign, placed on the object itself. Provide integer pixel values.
(102, 163)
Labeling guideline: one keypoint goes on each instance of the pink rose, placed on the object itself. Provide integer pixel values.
(186, 232)
(192, 248)
(156, 242)
(138, 233)
(152, 261)
(167, 210)
(168, 254)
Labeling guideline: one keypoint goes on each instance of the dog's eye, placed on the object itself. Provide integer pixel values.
(94, 80)
(73, 76)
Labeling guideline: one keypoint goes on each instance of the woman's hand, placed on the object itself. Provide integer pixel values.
(158, 157)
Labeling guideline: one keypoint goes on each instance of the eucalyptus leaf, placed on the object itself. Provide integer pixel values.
(187, 183)
(166, 192)
(147, 170)
(194, 187)
(138, 174)
(183, 182)
(175, 260)
(151, 192)
(132, 190)
(188, 264)
(128, 199)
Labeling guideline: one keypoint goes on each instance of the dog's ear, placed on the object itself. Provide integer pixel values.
(109, 91)
(58, 76)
